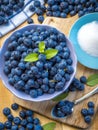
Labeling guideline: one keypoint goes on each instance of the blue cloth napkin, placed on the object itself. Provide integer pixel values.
(18, 18)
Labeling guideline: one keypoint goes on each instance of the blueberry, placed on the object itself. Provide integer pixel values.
(63, 15)
(59, 86)
(17, 120)
(83, 79)
(40, 65)
(45, 88)
(6, 111)
(30, 119)
(11, 81)
(40, 18)
(15, 106)
(70, 69)
(51, 2)
(29, 126)
(69, 61)
(91, 111)
(37, 3)
(14, 127)
(81, 87)
(72, 13)
(62, 64)
(19, 85)
(21, 128)
(34, 70)
(58, 77)
(61, 103)
(51, 91)
(8, 124)
(10, 117)
(84, 112)
(91, 104)
(33, 93)
(55, 8)
(36, 121)
(22, 114)
(40, 92)
(30, 21)
(24, 122)
(38, 127)
(24, 77)
(87, 119)
(45, 81)
(60, 114)
(1, 126)
(63, 5)
(32, 8)
(29, 113)
(42, 57)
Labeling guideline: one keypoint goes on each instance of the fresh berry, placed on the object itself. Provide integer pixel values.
(6, 111)
(91, 104)
(15, 106)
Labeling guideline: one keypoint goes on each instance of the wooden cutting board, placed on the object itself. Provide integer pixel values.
(44, 108)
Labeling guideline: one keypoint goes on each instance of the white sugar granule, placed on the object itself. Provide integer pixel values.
(88, 38)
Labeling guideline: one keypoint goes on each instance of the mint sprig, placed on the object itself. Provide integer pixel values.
(31, 57)
(49, 126)
(50, 53)
(41, 47)
(92, 80)
(60, 97)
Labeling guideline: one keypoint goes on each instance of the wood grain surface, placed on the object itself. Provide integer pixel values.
(7, 98)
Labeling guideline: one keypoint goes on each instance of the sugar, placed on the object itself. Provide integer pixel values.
(88, 38)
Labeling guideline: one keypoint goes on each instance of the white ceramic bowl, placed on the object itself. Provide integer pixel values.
(22, 95)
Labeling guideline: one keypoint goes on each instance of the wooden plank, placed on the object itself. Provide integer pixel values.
(44, 108)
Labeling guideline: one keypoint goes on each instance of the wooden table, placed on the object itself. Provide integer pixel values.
(6, 100)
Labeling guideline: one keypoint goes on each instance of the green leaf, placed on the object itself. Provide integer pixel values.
(41, 47)
(60, 97)
(49, 126)
(31, 57)
(50, 53)
(92, 80)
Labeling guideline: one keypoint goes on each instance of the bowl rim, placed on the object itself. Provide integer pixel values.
(37, 99)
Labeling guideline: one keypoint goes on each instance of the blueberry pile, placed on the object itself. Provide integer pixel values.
(78, 84)
(25, 120)
(62, 8)
(88, 113)
(42, 76)
(8, 8)
(63, 108)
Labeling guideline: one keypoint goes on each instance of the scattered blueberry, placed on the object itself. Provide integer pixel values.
(15, 106)
(87, 119)
(84, 112)
(6, 111)
(30, 21)
(90, 104)
(83, 79)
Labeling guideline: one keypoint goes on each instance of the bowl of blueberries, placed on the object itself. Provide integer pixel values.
(38, 63)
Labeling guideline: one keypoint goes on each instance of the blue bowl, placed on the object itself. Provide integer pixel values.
(84, 58)
(22, 95)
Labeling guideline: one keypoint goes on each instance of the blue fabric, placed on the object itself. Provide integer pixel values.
(18, 18)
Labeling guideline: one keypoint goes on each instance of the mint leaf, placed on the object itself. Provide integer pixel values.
(92, 80)
(49, 126)
(50, 53)
(60, 97)
(31, 57)
(41, 47)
